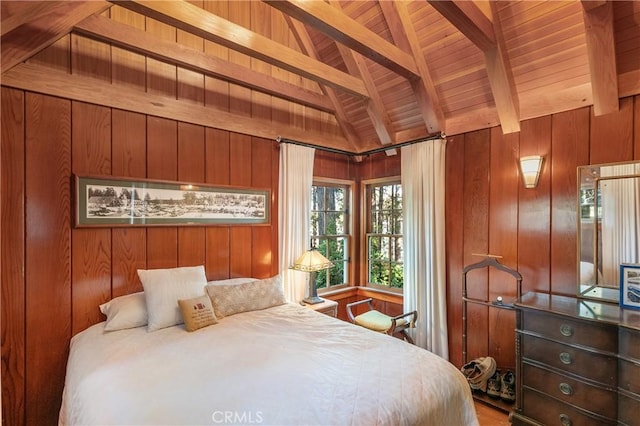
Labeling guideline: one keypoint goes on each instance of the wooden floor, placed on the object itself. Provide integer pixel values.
(489, 416)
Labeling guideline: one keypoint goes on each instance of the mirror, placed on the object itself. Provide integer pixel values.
(608, 226)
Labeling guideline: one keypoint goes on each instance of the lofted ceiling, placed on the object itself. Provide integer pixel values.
(353, 76)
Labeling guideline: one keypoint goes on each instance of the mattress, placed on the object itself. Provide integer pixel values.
(285, 365)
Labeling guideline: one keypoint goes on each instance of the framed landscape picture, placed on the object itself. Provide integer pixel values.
(630, 285)
(108, 202)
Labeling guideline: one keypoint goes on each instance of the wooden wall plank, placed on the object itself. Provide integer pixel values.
(261, 236)
(454, 207)
(12, 225)
(162, 163)
(90, 248)
(218, 252)
(217, 151)
(611, 137)
(161, 76)
(217, 91)
(476, 235)
(503, 241)
(240, 252)
(48, 249)
(129, 159)
(240, 159)
(570, 149)
(127, 68)
(534, 209)
(191, 158)
(636, 126)
(190, 83)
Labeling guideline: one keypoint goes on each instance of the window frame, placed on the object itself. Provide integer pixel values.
(349, 185)
(365, 226)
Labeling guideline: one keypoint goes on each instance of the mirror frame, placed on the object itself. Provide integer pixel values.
(598, 290)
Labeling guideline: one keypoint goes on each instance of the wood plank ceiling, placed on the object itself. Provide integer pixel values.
(353, 76)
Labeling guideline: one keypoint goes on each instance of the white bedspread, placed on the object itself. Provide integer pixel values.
(285, 365)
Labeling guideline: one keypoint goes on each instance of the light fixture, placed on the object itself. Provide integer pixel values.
(312, 261)
(530, 168)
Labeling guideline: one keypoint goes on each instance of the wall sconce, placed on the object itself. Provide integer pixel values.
(530, 168)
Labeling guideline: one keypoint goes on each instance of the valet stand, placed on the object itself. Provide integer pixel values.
(490, 261)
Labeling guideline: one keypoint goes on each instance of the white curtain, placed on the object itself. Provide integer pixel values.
(423, 174)
(620, 225)
(294, 210)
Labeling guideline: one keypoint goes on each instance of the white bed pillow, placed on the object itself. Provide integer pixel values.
(164, 287)
(129, 311)
(232, 299)
(232, 281)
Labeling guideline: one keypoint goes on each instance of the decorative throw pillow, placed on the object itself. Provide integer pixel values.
(164, 287)
(250, 296)
(230, 281)
(197, 312)
(129, 311)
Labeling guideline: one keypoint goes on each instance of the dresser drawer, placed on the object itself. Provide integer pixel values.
(629, 376)
(629, 341)
(628, 410)
(566, 330)
(575, 392)
(551, 412)
(593, 366)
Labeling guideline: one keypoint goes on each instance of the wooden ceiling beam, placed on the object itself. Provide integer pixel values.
(201, 23)
(35, 29)
(304, 41)
(133, 39)
(487, 36)
(469, 20)
(332, 22)
(40, 79)
(598, 22)
(404, 35)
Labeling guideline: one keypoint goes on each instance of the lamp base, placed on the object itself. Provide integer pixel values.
(312, 300)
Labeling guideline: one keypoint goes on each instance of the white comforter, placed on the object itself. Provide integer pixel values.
(285, 365)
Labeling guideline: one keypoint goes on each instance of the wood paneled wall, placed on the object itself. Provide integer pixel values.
(54, 276)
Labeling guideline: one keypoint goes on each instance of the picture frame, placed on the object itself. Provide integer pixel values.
(630, 285)
(115, 201)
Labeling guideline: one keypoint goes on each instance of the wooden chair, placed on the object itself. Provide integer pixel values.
(377, 321)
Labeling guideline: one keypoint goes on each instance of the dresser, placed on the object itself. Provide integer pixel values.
(578, 362)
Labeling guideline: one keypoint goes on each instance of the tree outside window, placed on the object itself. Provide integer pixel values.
(384, 235)
(330, 231)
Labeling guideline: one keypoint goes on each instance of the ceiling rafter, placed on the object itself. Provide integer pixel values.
(33, 29)
(201, 23)
(139, 41)
(374, 105)
(598, 22)
(397, 17)
(336, 25)
(471, 22)
(304, 41)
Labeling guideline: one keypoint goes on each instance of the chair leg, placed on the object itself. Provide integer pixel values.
(407, 337)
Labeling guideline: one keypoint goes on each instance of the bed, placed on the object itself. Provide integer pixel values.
(280, 365)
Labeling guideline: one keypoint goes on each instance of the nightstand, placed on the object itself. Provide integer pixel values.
(327, 307)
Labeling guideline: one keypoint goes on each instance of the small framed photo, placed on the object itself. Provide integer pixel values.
(630, 285)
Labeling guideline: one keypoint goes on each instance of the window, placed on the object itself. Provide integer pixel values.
(330, 230)
(384, 234)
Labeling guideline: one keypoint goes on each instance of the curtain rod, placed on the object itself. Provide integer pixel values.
(280, 139)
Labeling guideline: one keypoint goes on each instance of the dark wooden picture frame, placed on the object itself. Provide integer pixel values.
(115, 201)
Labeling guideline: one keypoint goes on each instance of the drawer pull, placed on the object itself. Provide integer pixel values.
(566, 330)
(566, 388)
(565, 358)
(565, 420)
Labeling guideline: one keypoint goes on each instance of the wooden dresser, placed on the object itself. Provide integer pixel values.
(578, 362)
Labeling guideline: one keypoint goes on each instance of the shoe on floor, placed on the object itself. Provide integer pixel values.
(508, 387)
(479, 371)
(494, 385)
